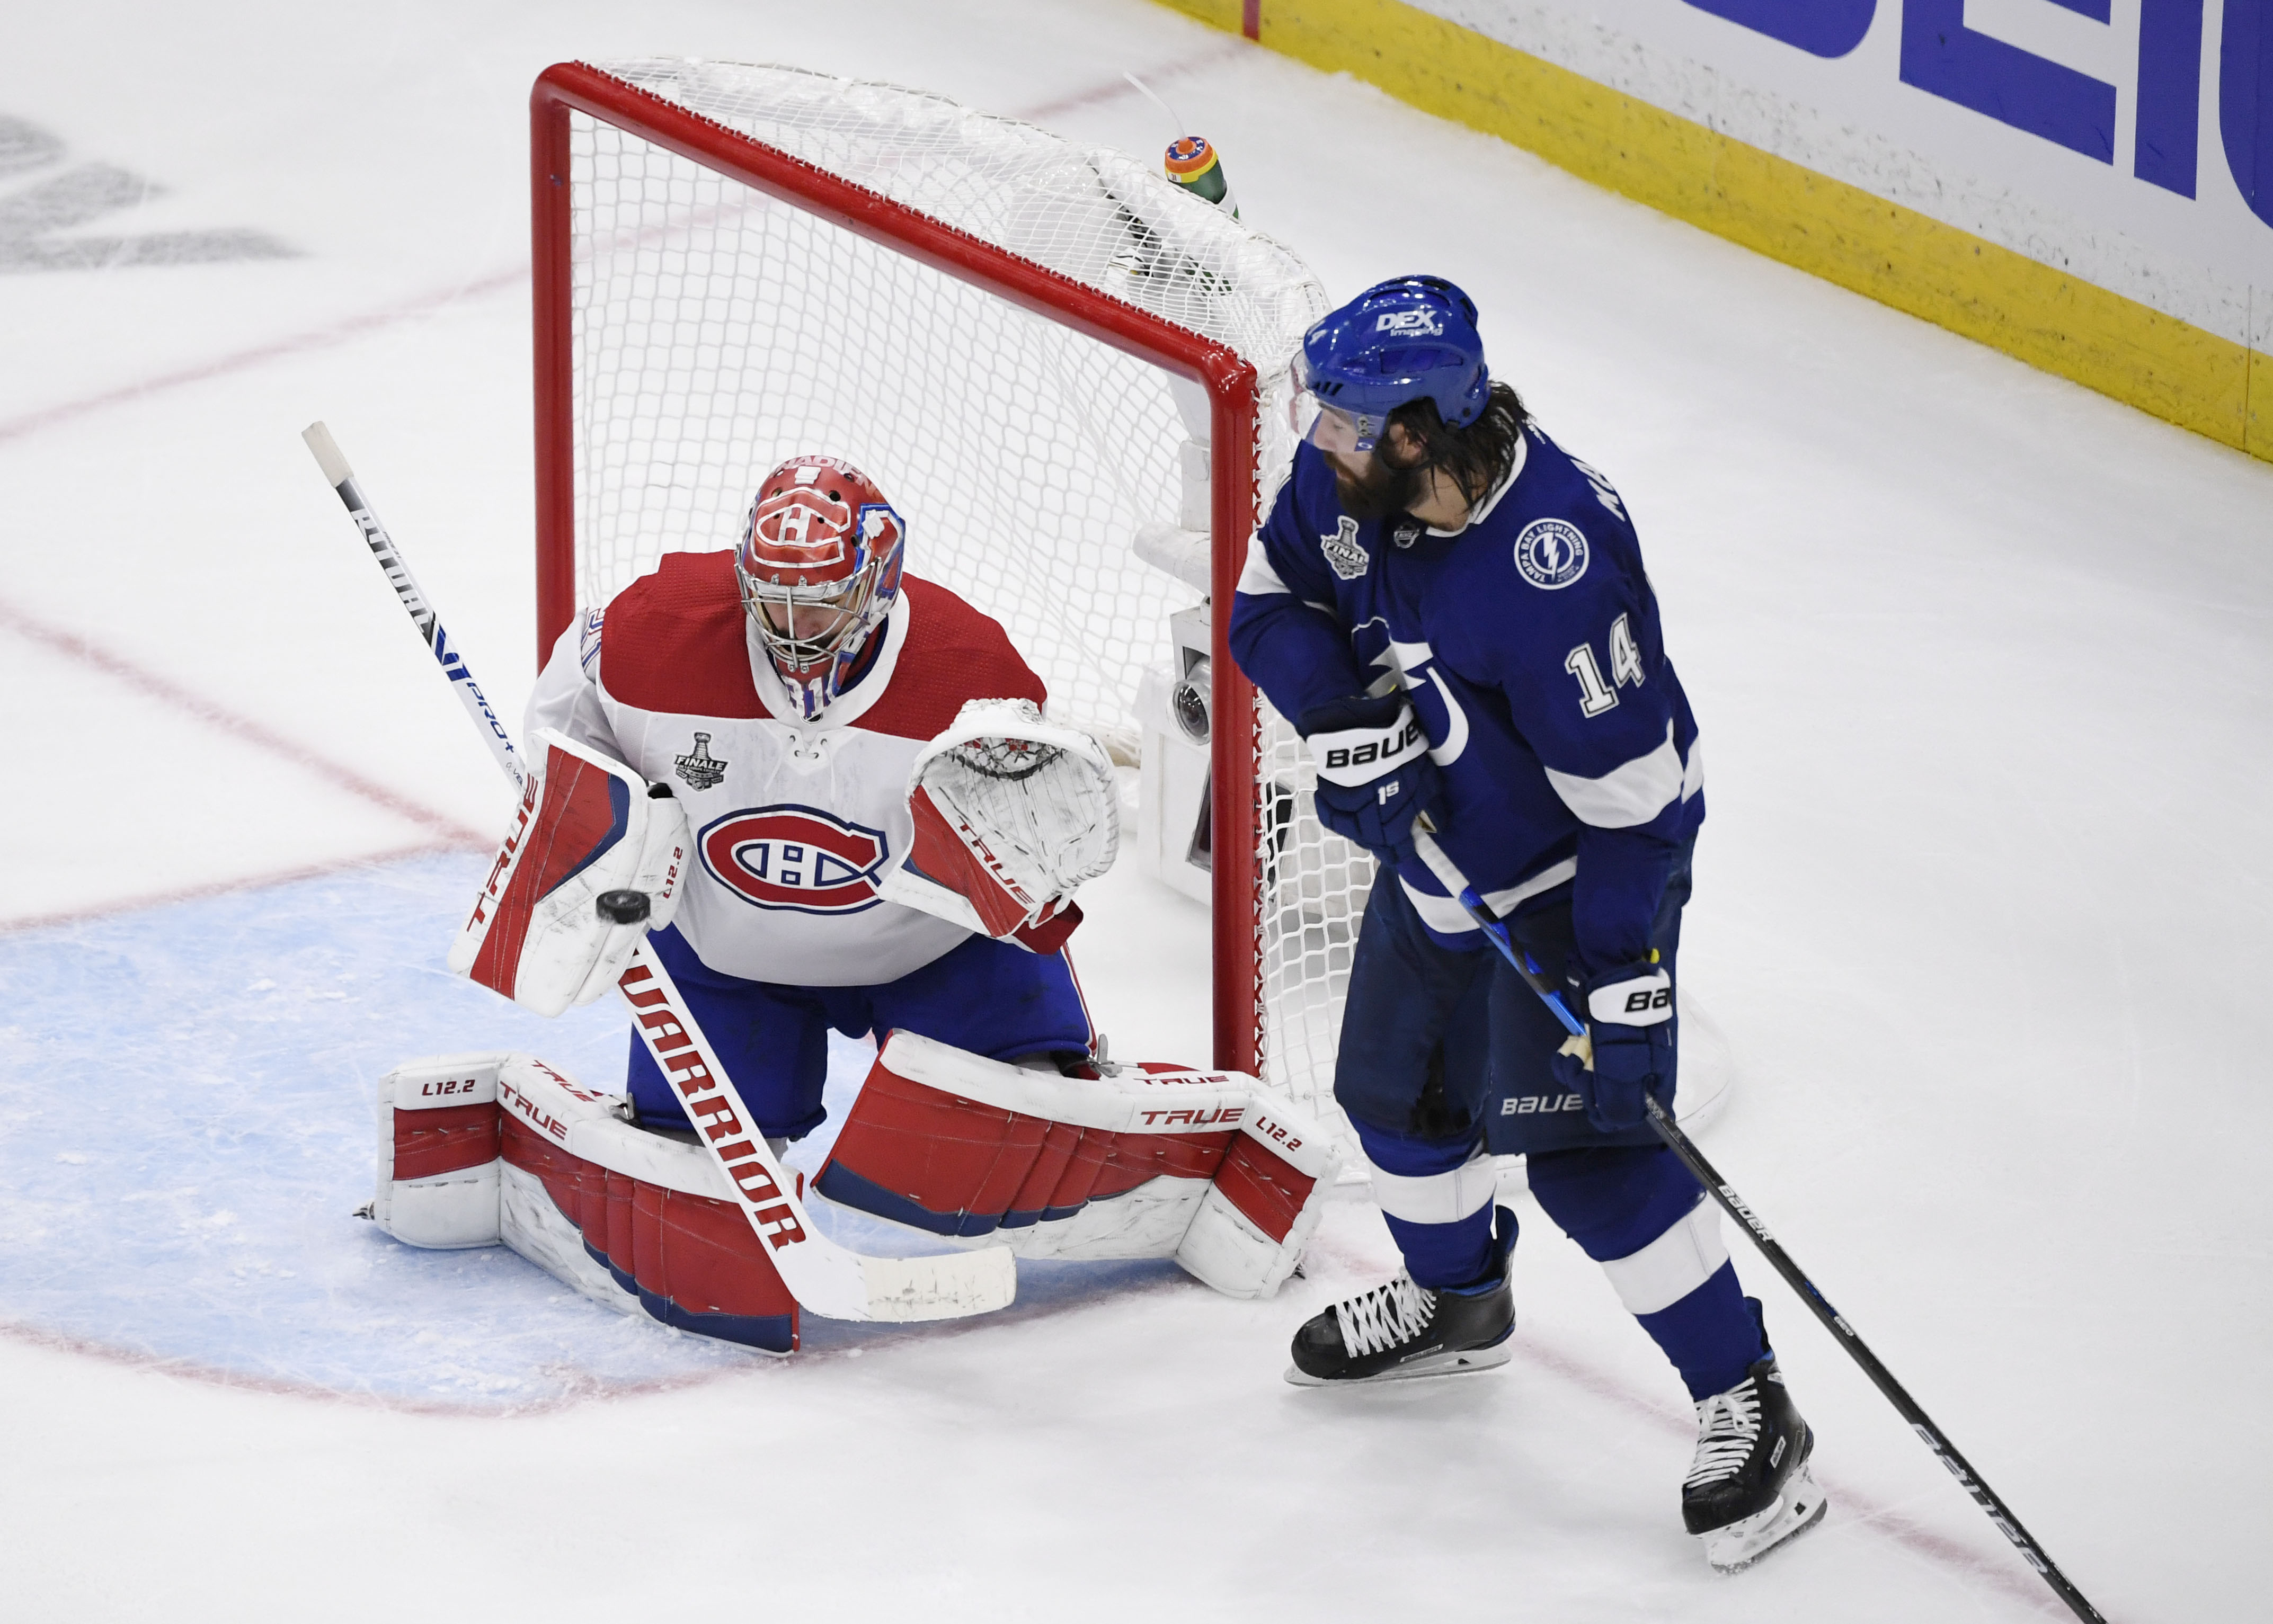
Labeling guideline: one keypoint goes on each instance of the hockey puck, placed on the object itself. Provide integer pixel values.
(623, 906)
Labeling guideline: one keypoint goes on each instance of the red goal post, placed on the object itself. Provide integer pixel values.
(1244, 802)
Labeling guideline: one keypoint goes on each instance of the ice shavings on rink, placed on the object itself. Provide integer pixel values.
(186, 1129)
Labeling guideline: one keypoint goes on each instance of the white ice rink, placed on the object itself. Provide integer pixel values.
(1981, 659)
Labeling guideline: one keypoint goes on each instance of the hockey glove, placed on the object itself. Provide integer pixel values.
(1374, 774)
(1011, 814)
(1628, 1013)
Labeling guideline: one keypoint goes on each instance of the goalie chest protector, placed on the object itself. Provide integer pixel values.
(795, 823)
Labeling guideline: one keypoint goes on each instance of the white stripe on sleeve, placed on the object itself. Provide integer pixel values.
(1444, 915)
(1258, 578)
(1625, 795)
(1675, 1264)
(1439, 1198)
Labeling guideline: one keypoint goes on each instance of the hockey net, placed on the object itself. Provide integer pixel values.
(711, 297)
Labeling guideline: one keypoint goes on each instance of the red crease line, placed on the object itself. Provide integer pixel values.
(76, 648)
(1974, 1564)
(357, 326)
(219, 887)
(318, 337)
(580, 1388)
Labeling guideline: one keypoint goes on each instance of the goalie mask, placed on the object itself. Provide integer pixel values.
(818, 567)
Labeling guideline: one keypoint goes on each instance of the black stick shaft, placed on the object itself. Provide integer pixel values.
(1835, 1323)
(1496, 931)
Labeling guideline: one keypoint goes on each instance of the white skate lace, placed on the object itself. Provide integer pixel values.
(1728, 1425)
(1381, 1318)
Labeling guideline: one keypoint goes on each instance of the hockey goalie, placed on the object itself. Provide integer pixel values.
(825, 793)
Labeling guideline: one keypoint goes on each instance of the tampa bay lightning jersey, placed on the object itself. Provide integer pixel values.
(1527, 643)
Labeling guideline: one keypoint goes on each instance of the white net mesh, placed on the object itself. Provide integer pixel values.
(716, 329)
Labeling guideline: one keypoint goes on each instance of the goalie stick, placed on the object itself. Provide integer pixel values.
(830, 1280)
(1448, 875)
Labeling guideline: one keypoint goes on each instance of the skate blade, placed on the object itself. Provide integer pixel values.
(1738, 1545)
(1436, 1364)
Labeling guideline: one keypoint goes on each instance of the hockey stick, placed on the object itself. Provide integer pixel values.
(829, 1279)
(1448, 875)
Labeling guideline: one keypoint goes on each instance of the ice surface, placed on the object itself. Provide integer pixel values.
(187, 1193)
(1981, 663)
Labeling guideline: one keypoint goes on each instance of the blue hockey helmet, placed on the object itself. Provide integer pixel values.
(1409, 339)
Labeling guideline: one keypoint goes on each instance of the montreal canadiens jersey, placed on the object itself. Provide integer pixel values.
(795, 823)
(1528, 645)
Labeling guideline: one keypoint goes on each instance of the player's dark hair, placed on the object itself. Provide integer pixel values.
(1477, 457)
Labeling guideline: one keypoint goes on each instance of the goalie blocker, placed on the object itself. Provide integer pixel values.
(587, 826)
(1147, 1161)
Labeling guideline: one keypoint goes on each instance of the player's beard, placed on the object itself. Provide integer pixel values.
(1382, 489)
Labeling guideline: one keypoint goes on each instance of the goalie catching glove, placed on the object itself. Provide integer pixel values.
(592, 864)
(1012, 814)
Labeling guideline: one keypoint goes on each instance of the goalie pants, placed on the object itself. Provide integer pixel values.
(1443, 1064)
(986, 996)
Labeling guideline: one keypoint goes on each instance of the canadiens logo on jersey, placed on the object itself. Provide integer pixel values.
(1348, 559)
(795, 858)
(699, 767)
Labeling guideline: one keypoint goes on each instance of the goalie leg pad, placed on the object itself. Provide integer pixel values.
(532, 1223)
(438, 1151)
(1258, 1215)
(1032, 1202)
(650, 1216)
(479, 1150)
(933, 1161)
(936, 1160)
(699, 1268)
(1203, 1167)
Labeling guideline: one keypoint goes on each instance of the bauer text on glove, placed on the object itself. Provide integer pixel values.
(1374, 774)
(1628, 1013)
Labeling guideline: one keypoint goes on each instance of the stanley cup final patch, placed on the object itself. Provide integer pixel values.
(699, 767)
(1349, 560)
(1551, 553)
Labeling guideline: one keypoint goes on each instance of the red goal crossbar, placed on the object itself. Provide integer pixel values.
(1235, 810)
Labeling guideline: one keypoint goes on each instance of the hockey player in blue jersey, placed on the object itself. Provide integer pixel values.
(1453, 611)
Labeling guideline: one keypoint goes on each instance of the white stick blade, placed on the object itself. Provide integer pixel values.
(336, 472)
(902, 1290)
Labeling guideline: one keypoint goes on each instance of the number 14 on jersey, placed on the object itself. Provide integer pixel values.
(1596, 696)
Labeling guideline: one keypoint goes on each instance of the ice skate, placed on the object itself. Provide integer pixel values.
(1749, 1488)
(1400, 1331)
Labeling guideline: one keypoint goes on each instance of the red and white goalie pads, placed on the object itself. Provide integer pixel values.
(586, 825)
(1209, 1167)
(489, 1149)
(1012, 814)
